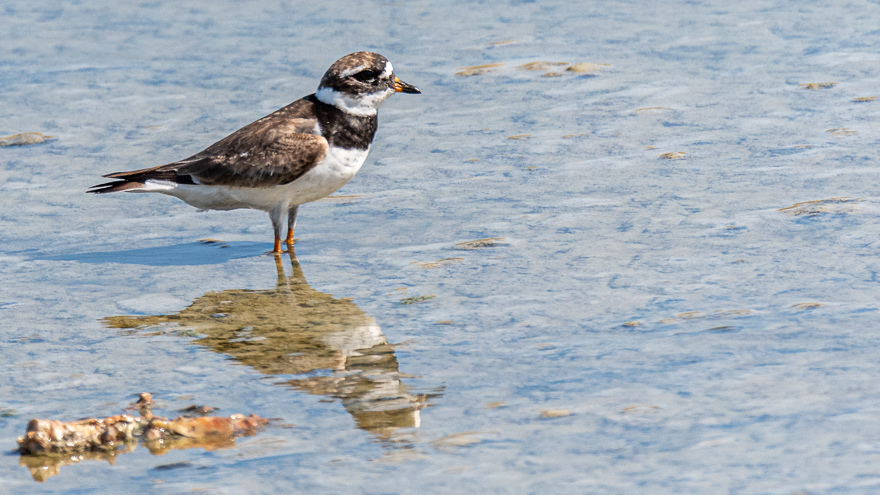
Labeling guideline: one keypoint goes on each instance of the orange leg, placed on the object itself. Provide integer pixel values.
(277, 249)
(291, 224)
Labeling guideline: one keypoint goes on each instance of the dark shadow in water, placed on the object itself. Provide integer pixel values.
(331, 345)
(193, 253)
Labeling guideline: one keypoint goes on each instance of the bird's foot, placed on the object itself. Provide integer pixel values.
(277, 247)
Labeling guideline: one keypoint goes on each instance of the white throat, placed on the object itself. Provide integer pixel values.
(363, 106)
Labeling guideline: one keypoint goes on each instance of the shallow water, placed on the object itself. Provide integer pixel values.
(644, 325)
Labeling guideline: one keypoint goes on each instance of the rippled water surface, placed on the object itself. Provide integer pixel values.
(680, 296)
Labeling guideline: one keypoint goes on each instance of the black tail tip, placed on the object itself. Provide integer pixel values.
(115, 186)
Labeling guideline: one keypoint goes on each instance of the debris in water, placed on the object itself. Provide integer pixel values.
(24, 139)
(541, 65)
(481, 243)
(478, 70)
(651, 109)
(673, 155)
(814, 86)
(830, 205)
(586, 68)
(550, 69)
(864, 99)
(416, 299)
(687, 315)
(842, 131)
(698, 315)
(48, 444)
(555, 413)
(808, 305)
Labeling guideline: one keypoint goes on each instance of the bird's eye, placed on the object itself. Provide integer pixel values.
(365, 75)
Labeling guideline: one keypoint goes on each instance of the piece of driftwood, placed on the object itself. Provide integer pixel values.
(48, 444)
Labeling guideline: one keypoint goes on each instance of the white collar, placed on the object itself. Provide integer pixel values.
(363, 106)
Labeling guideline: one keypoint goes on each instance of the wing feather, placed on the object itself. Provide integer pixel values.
(277, 149)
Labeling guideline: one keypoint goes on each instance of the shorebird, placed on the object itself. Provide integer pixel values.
(295, 155)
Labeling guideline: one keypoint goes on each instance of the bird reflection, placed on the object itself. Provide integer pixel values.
(332, 347)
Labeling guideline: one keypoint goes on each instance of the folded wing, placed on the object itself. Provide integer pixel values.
(274, 150)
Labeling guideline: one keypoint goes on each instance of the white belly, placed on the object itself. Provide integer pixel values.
(334, 171)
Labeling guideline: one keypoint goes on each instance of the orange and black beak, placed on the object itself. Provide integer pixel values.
(402, 87)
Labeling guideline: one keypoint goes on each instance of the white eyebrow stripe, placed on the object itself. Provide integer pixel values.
(354, 70)
(388, 70)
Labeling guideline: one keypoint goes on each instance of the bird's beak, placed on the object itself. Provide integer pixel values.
(402, 87)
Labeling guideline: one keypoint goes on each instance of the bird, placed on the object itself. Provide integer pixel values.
(295, 155)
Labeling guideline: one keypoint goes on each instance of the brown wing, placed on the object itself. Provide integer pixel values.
(266, 157)
(277, 149)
